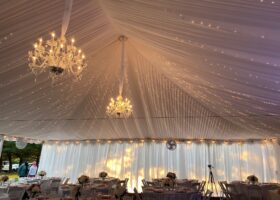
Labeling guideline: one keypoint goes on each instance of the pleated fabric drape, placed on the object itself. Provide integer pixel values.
(153, 160)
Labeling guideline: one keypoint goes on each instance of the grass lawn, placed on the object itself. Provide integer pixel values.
(11, 175)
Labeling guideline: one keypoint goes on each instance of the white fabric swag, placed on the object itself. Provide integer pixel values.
(152, 160)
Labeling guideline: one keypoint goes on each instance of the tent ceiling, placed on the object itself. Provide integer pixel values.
(195, 69)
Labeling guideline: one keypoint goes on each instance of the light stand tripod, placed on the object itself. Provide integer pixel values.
(211, 181)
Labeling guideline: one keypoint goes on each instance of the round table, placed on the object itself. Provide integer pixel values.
(167, 195)
(273, 195)
(4, 196)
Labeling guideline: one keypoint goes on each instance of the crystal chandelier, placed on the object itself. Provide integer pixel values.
(120, 107)
(58, 56)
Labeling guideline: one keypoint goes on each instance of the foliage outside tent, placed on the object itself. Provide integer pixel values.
(14, 155)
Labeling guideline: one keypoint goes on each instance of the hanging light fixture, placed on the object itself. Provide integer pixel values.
(20, 143)
(120, 107)
(58, 55)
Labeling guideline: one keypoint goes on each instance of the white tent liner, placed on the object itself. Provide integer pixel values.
(153, 160)
(195, 69)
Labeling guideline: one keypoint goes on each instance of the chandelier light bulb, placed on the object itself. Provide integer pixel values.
(58, 56)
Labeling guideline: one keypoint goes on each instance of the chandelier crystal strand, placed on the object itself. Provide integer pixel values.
(120, 107)
(58, 55)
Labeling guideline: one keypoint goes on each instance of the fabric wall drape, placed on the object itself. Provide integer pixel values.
(151, 160)
(1, 146)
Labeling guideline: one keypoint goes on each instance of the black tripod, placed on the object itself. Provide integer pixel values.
(211, 181)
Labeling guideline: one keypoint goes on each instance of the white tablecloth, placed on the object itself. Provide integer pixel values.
(4, 196)
(266, 188)
(273, 195)
(167, 195)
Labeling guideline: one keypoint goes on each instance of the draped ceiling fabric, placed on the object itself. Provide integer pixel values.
(195, 69)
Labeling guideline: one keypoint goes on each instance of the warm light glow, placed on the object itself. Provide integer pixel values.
(58, 57)
(119, 108)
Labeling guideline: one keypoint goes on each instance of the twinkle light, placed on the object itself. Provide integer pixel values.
(58, 56)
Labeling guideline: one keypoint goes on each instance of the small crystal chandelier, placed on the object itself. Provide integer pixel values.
(58, 55)
(120, 107)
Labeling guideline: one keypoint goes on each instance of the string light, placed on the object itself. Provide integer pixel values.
(188, 141)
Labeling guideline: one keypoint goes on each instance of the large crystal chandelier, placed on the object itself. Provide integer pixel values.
(58, 55)
(120, 107)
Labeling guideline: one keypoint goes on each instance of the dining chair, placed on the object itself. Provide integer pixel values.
(233, 192)
(65, 181)
(46, 186)
(86, 192)
(16, 193)
(55, 185)
(225, 192)
(202, 187)
(195, 186)
(196, 196)
(208, 195)
(137, 196)
(123, 182)
(255, 192)
(144, 182)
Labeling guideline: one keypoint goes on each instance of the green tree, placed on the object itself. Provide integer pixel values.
(14, 155)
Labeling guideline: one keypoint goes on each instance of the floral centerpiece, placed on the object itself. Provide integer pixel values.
(169, 181)
(83, 179)
(103, 175)
(42, 173)
(252, 179)
(4, 178)
(171, 175)
(34, 190)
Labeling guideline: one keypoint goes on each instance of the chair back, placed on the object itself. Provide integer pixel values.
(65, 181)
(137, 196)
(123, 183)
(16, 193)
(55, 185)
(196, 196)
(222, 185)
(86, 192)
(144, 182)
(231, 189)
(195, 186)
(208, 195)
(46, 186)
(255, 192)
(201, 187)
(150, 183)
